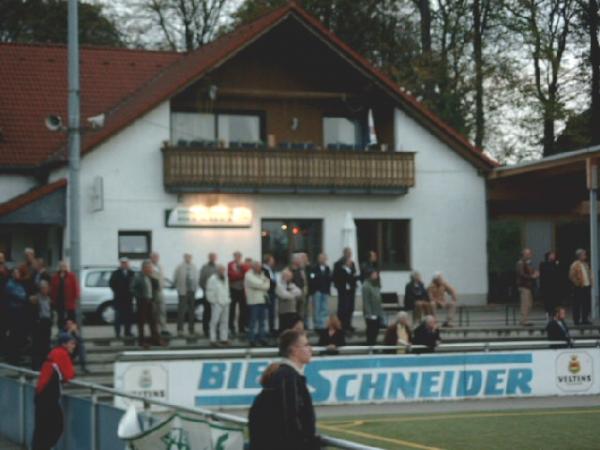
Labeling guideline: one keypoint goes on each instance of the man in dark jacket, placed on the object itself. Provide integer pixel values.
(427, 334)
(145, 289)
(369, 266)
(558, 330)
(344, 280)
(282, 415)
(552, 283)
(15, 298)
(120, 283)
(268, 268)
(319, 287)
(416, 297)
(4, 322)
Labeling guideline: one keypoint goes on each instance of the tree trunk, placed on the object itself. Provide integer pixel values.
(549, 120)
(592, 17)
(425, 13)
(477, 56)
(425, 24)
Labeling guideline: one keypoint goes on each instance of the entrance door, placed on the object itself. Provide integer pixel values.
(284, 237)
(569, 237)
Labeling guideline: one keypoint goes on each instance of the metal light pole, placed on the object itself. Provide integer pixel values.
(74, 139)
(592, 176)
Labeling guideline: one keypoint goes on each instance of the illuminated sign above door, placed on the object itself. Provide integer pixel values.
(216, 216)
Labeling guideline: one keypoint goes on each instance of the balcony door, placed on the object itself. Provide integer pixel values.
(222, 127)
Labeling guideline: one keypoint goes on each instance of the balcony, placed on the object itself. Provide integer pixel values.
(256, 170)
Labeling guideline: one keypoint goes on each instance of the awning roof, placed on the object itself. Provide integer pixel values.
(555, 186)
(45, 205)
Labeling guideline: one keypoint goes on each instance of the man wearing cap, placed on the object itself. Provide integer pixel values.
(120, 283)
(57, 369)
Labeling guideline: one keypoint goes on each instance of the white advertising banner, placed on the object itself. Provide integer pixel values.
(371, 379)
(186, 433)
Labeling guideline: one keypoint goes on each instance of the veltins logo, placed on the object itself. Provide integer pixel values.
(145, 381)
(574, 371)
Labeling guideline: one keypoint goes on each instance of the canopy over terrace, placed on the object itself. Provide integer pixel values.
(557, 189)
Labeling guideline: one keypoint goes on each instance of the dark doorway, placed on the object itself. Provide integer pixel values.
(569, 237)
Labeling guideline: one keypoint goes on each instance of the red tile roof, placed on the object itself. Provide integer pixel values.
(33, 84)
(31, 196)
(125, 84)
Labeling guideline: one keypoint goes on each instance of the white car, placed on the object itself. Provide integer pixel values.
(97, 297)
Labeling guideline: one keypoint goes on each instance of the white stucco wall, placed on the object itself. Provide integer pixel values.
(13, 185)
(446, 208)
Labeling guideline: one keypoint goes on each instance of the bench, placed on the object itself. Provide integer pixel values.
(464, 313)
(390, 302)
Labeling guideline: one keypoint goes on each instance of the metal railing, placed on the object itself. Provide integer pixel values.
(266, 352)
(326, 441)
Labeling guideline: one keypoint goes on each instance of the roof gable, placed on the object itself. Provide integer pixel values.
(180, 72)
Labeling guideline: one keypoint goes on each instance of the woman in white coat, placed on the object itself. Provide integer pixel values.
(217, 294)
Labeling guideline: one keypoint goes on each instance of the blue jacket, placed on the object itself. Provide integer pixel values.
(15, 294)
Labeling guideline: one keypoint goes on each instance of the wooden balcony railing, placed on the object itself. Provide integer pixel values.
(188, 169)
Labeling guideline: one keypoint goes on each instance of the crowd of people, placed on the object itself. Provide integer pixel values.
(245, 298)
(32, 300)
(558, 285)
(248, 299)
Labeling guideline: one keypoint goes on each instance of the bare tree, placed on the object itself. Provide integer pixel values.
(425, 24)
(591, 22)
(183, 24)
(480, 14)
(544, 27)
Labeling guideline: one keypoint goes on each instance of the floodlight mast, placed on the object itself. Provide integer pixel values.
(74, 208)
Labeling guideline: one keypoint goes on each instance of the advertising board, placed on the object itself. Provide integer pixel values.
(372, 378)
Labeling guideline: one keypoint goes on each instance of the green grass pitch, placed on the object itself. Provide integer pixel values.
(541, 429)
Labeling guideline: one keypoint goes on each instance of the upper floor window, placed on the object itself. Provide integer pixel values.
(341, 131)
(188, 126)
(238, 128)
(225, 128)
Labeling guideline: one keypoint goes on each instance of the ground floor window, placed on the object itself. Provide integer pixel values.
(135, 244)
(389, 238)
(284, 237)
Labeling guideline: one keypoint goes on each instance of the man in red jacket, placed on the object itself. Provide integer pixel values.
(236, 270)
(65, 293)
(57, 369)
